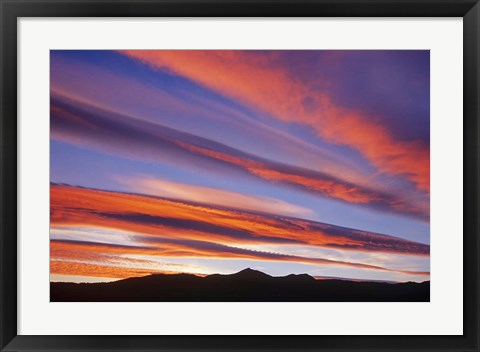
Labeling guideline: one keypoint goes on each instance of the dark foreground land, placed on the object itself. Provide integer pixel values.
(245, 286)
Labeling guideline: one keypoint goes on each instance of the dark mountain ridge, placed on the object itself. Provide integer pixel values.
(245, 286)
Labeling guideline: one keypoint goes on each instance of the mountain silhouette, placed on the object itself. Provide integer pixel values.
(244, 275)
(247, 285)
(250, 273)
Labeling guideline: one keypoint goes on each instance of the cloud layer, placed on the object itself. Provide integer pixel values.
(91, 127)
(71, 206)
(256, 79)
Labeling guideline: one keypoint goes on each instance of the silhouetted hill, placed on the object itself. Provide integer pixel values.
(245, 286)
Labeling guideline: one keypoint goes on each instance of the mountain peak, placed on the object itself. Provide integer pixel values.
(248, 272)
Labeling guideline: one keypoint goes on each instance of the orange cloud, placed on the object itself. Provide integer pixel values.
(325, 186)
(77, 252)
(72, 206)
(85, 125)
(99, 270)
(255, 79)
(105, 260)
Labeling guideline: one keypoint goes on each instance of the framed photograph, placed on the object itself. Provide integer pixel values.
(247, 176)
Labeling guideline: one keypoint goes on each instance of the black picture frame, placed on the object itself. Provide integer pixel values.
(12, 10)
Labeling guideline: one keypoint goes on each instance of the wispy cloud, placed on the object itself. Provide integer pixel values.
(114, 271)
(211, 196)
(255, 79)
(80, 252)
(95, 128)
(71, 206)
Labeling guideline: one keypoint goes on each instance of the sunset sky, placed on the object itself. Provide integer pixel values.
(208, 162)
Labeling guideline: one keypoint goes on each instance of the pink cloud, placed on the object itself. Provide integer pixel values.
(206, 195)
(256, 81)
